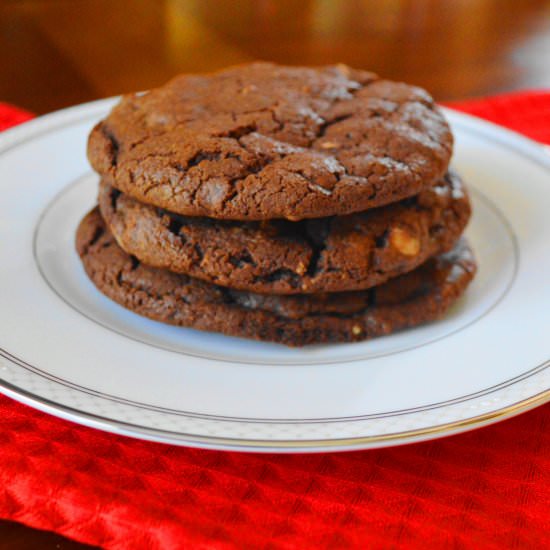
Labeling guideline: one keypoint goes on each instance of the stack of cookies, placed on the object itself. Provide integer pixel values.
(294, 205)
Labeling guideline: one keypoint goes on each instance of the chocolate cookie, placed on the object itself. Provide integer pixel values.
(417, 297)
(350, 252)
(262, 141)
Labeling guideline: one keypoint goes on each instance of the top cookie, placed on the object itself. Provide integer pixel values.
(263, 141)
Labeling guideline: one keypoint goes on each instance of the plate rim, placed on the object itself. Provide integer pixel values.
(40, 126)
(157, 435)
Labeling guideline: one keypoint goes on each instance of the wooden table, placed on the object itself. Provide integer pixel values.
(57, 53)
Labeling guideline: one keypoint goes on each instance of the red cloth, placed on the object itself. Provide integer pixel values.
(483, 489)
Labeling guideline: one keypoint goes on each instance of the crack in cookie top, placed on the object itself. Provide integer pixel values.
(263, 141)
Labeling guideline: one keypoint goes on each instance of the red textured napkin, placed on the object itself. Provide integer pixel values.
(485, 489)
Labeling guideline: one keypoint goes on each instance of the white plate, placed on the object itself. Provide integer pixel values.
(68, 350)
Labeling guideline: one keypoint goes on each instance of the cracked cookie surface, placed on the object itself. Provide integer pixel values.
(263, 141)
(417, 297)
(340, 253)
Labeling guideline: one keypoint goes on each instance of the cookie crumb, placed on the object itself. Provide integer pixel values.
(357, 330)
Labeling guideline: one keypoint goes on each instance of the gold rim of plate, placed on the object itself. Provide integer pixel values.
(412, 435)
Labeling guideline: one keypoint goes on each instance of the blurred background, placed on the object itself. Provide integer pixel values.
(57, 53)
(61, 52)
